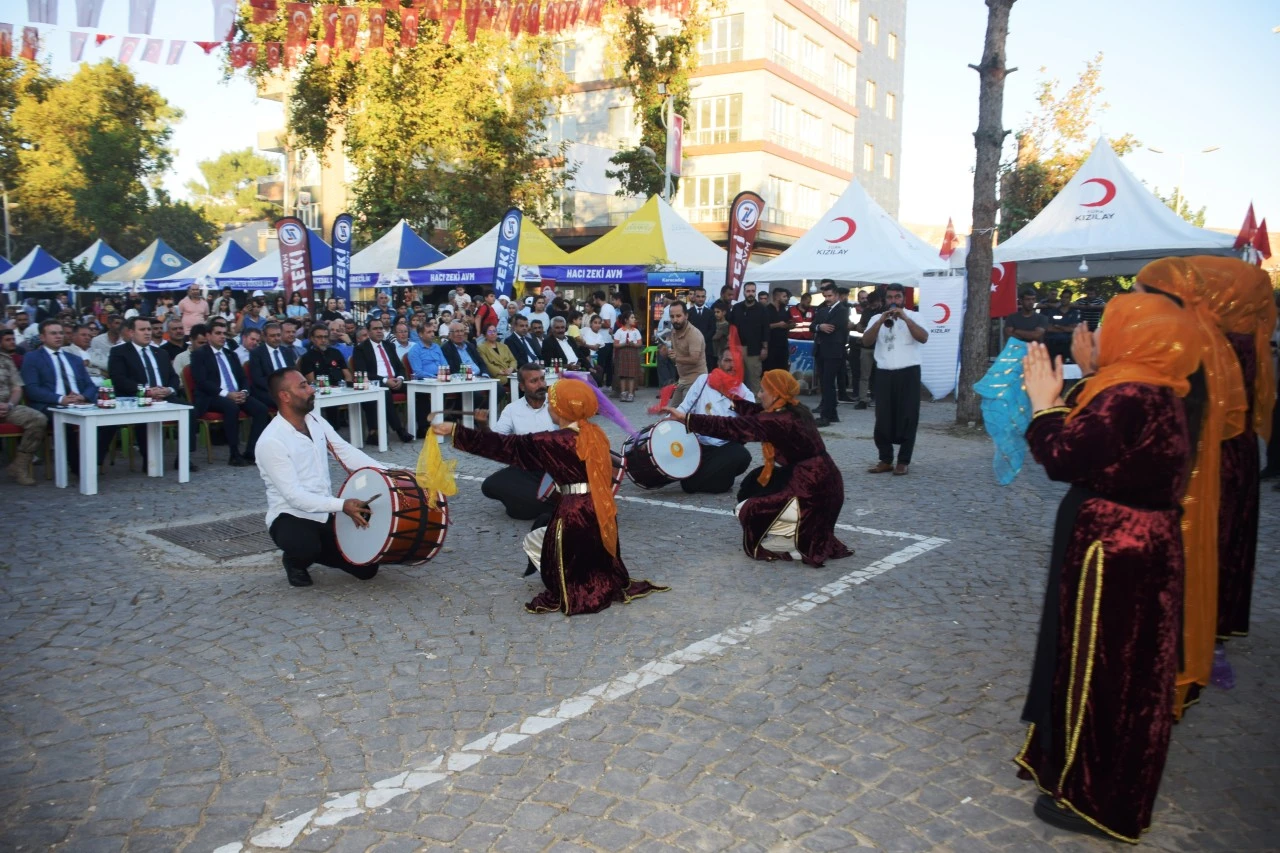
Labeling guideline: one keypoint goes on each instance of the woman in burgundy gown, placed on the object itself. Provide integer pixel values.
(792, 448)
(1100, 701)
(580, 558)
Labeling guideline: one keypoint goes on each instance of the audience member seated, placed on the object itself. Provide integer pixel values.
(558, 346)
(377, 358)
(12, 412)
(249, 340)
(196, 338)
(497, 358)
(176, 345)
(139, 365)
(221, 388)
(523, 345)
(266, 359)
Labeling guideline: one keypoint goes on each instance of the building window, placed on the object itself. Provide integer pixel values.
(891, 46)
(723, 41)
(707, 197)
(715, 120)
(562, 127)
(868, 156)
(873, 29)
(808, 206)
(782, 120)
(809, 135)
(847, 16)
(846, 81)
(841, 148)
(784, 44)
(622, 123)
(779, 201)
(888, 165)
(890, 105)
(812, 60)
(567, 53)
(869, 94)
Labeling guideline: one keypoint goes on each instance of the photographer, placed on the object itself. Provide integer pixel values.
(896, 335)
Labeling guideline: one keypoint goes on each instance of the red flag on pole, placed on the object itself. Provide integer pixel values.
(1245, 237)
(948, 242)
(1262, 241)
(1004, 289)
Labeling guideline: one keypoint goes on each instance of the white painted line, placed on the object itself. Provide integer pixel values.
(442, 767)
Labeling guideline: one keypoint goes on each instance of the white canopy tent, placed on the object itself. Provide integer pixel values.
(37, 271)
(389, 257)
(855, 241)
(1106, 218)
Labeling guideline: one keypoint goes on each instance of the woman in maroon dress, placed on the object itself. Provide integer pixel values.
(793, 449)
(1100, 701)
(580, 558)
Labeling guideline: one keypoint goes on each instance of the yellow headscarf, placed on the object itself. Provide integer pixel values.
(574, 401)
(784, 388)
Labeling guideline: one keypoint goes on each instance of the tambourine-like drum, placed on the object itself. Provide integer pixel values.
(548, 485)
(661, 454)
(403, 527)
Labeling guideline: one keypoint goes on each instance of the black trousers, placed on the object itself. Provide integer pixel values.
(518, 491)
(721, 465)
(830, 370)
(604, 360)
(897, 412)
(371, 416)
(305, 542)
(231, 421)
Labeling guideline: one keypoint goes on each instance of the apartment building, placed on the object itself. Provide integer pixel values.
(878, 140)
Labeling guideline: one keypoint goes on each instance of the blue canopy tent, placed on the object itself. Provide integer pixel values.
(5, 266)
(156, 261)
(264, 273)
(228, 257)
(102, 259)
(393, 253)
(35, 271)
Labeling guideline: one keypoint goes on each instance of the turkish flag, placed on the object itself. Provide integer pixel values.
(533, 18)
(329, 14)
(6, 40)
(298, 28)
(350, 26)
(949, 242)
(175, 52)
(409, 27)
(1004, 289)
(207, 46)
(264, 11)
(127, 48)
(1262, 241)
(472, 19)
(237, 57)
(517, 19)
(431, 10)
(31, 43)
(377, 26)
(151, 53)
(1245, 237)
(452, 11)
(78, 41)
(275, 50)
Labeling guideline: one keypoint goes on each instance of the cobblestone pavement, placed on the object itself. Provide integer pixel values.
(155, 700)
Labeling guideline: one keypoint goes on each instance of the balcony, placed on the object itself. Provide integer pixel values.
(714, 136)
(707, 214)
(273, 140)
(787, 62)
(785, 217)
(721, 56)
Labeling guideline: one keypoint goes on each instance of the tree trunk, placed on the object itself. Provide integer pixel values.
(988, 140)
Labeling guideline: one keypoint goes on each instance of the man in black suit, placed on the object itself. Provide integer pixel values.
(830, 339)
(221, 387)
(265, 359)
(374, 357)
(136, 364)
(523, 346)
(702, 318)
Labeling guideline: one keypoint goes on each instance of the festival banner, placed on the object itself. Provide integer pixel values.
(128, 46)
(744, 222)
(350, 26)
(6, 40)
(1004, 289)
(175, 52)
(377, 26)
(30, 43)
(78, 41)
(295, 259)
(504, 261)
(409, 27)
(341, 240)
(88, 12)
(941, 310)
(151, 53)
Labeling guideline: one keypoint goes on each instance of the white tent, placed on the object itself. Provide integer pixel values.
(855, 241)
(389, 257)
(1107, 218)
(228, 257)
(38, 271)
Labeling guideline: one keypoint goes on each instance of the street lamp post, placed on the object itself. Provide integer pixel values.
(1182, 170)
(667, 105)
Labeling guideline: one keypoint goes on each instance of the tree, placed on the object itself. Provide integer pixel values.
(229, 193)
(987, 141)
(650, 62)
(78, 274)
(182, 226)
(1051, 147)
(442, 135)
(1177, 202)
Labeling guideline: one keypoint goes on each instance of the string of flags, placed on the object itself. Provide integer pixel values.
(341, 27)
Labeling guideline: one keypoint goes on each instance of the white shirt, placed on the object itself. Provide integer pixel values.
(243, 355)
(384, 363)
(219, 354)
(624, 336)
(592, 339)
(100, 354)
(608, 316)
(59, 386)
(567, 351)
(150, 367)
(402, 350)
(539, 315)
(276, 357)
(895, 348)
(295, 467)
(519, 418)
(702, 399)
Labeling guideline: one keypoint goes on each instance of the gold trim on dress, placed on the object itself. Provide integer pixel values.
(1052, 410)
(1094, 556)
(564, 588)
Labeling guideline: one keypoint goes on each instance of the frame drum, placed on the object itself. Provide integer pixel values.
(661, 454)
(403, 527)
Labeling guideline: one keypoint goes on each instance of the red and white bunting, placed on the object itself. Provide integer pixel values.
(101, 38)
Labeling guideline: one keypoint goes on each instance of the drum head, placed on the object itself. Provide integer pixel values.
(363, 545)
(675, 450)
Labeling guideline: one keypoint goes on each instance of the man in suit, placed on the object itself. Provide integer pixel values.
(523, 346)
(53, 379)
(266, 359)
(220, 386)
(378, 359)
(459, 351)
(702, 318)
(137, 364)
(830, 339)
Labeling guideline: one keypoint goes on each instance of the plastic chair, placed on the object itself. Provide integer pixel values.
(648, 364)
(203, 421)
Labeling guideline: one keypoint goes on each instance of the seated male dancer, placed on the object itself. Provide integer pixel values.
(515, 487)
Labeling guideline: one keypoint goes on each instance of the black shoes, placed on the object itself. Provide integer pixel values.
(239, 462)
(1063, 818)
(821, 422)
(861, 404)
(191, 466)
(847, 398)
(298, 577)
(405, 436)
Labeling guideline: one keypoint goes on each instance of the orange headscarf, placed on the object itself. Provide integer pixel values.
(784, 387)
(574, 401)
(1240, 296)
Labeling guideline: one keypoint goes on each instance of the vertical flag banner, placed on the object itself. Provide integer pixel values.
(349, 26)
(409, 27)
(88, 12)
(744, 222)
(78, 41)
(504, 261)
(151, 53)
(264, 11)
(141, 14)
(128, 46)
(275, 52)
(224, 19)
(377, 26)
(42, 11)
(295, 259)
(175, 52)
(6, 40)
(942, 304)
(675, 144)
(1004, 289)
(297, 32)
(341, 240)
(30, 43)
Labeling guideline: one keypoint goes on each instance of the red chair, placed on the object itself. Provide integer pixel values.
(203, 421)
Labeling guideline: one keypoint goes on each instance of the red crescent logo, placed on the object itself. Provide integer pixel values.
(850, 226)
(1108, 192)
(946, 313)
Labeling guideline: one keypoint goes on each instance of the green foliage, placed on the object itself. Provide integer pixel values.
(182, 226)
(228, 194)
(1177, 202)
(78, 274)
(442, 135)
(1052, 146)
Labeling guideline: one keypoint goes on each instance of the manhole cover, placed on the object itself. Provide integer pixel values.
(241, 536)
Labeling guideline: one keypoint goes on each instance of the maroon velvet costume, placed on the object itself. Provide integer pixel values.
(1238, 509)
(815, 481)
(580, 574)
(1102, 689)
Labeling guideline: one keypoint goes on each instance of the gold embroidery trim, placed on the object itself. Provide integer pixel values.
(1094, 557)
(564, 588)
(1052, 410)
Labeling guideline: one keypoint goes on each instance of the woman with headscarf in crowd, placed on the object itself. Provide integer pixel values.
(1221, 417)
(1099, 703)
(792, 514)
(1240, 296)
(577, 553)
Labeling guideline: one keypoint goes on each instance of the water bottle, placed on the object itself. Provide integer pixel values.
(142, 397)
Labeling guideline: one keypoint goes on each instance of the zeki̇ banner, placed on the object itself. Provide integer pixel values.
(342, 256)
(504, 261)
(942, 304)
(295, 259)
(744, 222)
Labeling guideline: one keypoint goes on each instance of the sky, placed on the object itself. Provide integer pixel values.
(1180, 75)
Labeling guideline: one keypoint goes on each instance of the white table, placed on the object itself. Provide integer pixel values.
(352, 399)
(514, 378)
(90, 418)
(438, 389)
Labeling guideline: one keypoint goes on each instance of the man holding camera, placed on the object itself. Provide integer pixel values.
(896, 335)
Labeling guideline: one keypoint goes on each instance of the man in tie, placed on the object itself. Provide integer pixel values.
(702, 318)
(53, 379)
(136, 364)
(221, 388)
(380, 361)
(265, 359)
(522, 344)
